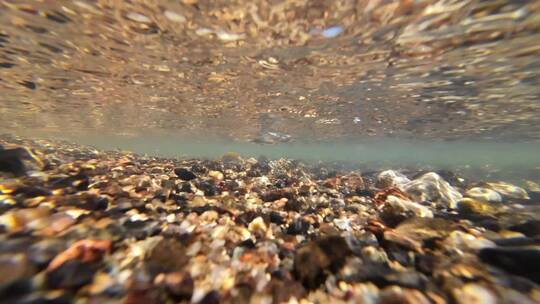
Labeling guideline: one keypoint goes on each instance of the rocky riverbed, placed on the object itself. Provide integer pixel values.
(88, 226)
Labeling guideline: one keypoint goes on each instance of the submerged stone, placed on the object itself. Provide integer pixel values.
(72, 274)
(509, 190)
(313, 261)
(528, 227)
(391, 178)
(431, 187)
(397, 210)
(469, 206)
(13, 161)
(522, 261)
(484, 194)
(184, 174)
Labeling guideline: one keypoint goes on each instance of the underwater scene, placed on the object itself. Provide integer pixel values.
(270, 151)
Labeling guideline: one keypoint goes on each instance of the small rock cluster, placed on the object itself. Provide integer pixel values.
(78, 224)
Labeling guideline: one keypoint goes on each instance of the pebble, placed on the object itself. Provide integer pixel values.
(313, 260)
(174, 17)
(509, 190)
(391, 178)
(522, 261)
(431, 187)
(474, 293)
(397, 209)
(72, 274)
(184, 174)
(528, 227)
(137, 17)
(12, 268)
(228, 36)
(468, 206)
(11, 160)
(332, 31)
(484, 194)
(43, 252)
(258, 226)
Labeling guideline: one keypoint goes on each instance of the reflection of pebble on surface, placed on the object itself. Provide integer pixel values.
(138, 17)
(332, 32)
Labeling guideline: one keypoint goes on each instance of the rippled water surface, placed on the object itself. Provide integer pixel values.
(272, 71)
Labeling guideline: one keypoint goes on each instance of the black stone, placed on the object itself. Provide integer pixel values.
(72, 274)
(28, 84)
(11, 160)
(184, 174)
(211, 298)
(298, 226)
(247, 244)
(198, 168)
(184, 187)
(293, 205)
(31, 191)
(41, 253)
(246, 217)
(516, 260)
(316, 259)
(529, 228)
(517, 241)
(208, 188)
(276, 218)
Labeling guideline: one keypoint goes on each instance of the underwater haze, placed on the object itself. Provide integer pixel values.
(270, 151)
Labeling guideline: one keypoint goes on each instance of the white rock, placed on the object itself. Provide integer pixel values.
(474, 293)
(174, 17)
(431, 187)
(465, 241)
(509, 190)
(399, 205)
(391, 178)
(343, 224)
(227, 37)
(484, 194)
(138, 17)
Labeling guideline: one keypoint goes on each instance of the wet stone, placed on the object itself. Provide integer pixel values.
(390, 178)
(72, 274)
(475, 293)
(528, 227)
(43, 252)
(276, 218)
(141, 229)
(431, 187)
(207, 187)
(166, 254)
(298, 226)
(11, 160)
(12, 268)
(471, 207)
(509, 190)
(184, 174)
(313, 260)
(484, 194)
(179, 284)
(522, 261)
(397, 210)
